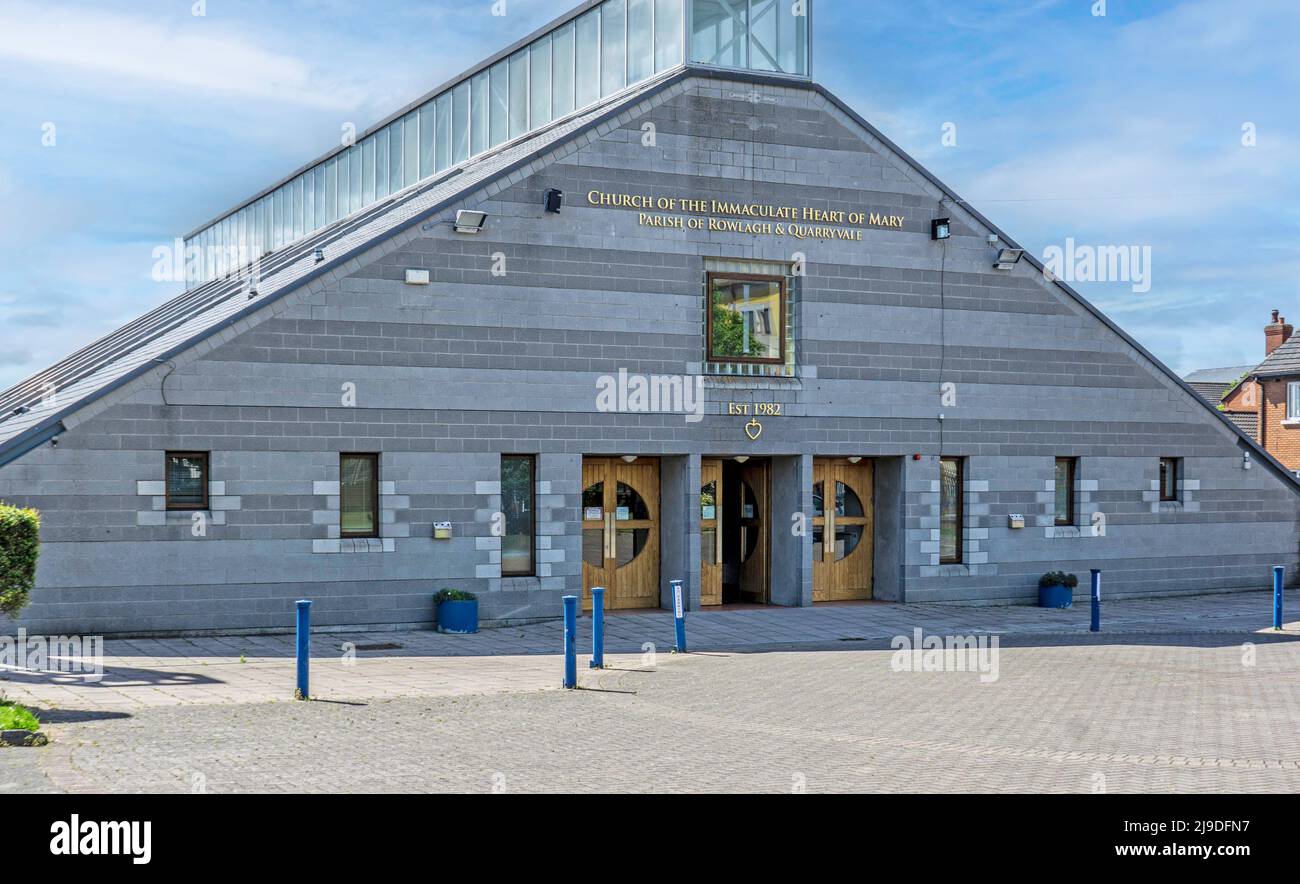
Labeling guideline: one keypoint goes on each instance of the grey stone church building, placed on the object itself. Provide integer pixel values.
(634, 300)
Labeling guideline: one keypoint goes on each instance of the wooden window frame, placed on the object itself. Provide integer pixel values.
(206, 457)
(532, 514)
(375, 513)
(708, 318)
(1070, 520)
(1175, 464)
(960, 555)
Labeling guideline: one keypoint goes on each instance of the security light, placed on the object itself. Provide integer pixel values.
(469, 221)
(554, 201)
(940, 228)
(1008, 258)
(320, 255)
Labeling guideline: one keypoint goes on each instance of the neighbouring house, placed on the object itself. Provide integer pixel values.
(1263, 400)
(632, 301)
(1278, 395)
(1214, 384)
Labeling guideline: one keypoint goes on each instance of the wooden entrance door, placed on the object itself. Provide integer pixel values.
(710, 532)
(620, 532)
(843, 546)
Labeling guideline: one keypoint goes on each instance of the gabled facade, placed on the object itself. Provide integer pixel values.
(737, 356)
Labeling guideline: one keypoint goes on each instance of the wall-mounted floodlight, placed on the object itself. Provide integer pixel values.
(320, 255)
(554, 201)
(469, 221)
(1008, 258)
(940, 228)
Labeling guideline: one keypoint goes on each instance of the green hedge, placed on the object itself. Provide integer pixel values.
(20, 544)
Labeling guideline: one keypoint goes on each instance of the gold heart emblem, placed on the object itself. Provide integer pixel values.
(753, 430)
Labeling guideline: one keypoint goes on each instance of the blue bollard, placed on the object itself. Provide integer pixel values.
(1096, 600)
(570, 641)
(597, 627)
(304, 648)
(679, 616)
(1279, 577)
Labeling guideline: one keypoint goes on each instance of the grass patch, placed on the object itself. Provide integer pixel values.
(15, 718)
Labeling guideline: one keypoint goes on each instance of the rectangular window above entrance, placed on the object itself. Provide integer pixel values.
(746, 318)
(748, 307)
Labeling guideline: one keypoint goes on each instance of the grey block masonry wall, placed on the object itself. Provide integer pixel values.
(500, 354)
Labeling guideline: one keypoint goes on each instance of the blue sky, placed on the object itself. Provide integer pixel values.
(1124, 129)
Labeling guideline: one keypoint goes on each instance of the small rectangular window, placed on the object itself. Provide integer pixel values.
(1169, 475)
(746, 318)
(518, 481)
(952, 483)
(359, 495)
(1293, 401)
(187, 480)
(1066, 468)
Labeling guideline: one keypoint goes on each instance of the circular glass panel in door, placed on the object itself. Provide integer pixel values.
(849, 506)
(847, 502)
(629, 542)
(631, 507)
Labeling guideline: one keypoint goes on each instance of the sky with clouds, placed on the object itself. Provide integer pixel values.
(1117, 130)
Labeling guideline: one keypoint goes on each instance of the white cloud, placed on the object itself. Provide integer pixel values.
(192, 54)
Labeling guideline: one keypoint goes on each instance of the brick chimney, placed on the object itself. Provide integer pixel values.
(1276, 333)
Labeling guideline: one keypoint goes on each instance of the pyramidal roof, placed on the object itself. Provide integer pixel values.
(36, 409)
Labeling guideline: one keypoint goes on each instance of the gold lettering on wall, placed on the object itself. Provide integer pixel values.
(755, 219)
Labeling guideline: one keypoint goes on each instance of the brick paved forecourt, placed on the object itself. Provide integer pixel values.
(1186, 695)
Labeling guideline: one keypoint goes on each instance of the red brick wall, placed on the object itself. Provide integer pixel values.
(1246, 398)
(1280, 441)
